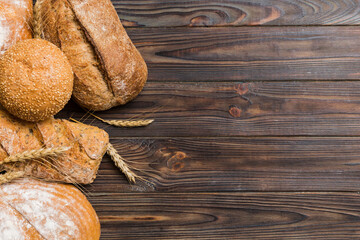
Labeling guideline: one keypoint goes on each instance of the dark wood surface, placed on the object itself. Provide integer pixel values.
(257, 128)
(197, 13)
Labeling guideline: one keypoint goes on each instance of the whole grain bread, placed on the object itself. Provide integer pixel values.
(109, 70)
(79, 164)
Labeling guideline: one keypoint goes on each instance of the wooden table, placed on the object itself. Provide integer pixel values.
(257, 122)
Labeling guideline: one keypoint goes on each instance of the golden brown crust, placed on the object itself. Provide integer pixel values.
(47, 210)
(24, 8)
(109, 69)
(79, 164)
(13, 26)
(36, 80)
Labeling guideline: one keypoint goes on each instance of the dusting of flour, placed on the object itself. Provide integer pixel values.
(4, 34)
(11, 227)
(19, 3)
(42, 207)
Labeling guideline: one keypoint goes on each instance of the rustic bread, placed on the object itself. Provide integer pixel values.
(79, 164)
(14, 25)
(24, 8)
(109, 70)
(32, 209)
(36, 80)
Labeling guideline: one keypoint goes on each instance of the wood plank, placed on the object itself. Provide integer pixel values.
(238, 109)
(248, 53)
(162, 13)
(235, 164)
(229, 216)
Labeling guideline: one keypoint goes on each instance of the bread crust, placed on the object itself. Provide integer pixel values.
(36, 80)
(109, 70)
(39, 210)
(79, 164)
(24, 8)
(13, 26)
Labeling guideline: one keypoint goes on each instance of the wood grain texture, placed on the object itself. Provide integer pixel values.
(238, 109)
(229, 216)
(235, 164)
(250, 53)
(161, 13)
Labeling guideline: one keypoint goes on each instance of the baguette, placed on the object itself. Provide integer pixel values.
(109, 70)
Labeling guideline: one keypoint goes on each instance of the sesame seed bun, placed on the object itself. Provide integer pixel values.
(36, 80)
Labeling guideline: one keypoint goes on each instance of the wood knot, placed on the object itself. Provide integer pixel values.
(176, 163)
(201, 21)
(235, 111)
(242, 88)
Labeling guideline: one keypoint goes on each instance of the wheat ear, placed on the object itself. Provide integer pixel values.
(9, 176)
(37, 20)
(120, 163)
(36, 154)
(125, 123)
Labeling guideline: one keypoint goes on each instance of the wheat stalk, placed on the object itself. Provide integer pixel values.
(125, 123)
(36, 154)
(9, 176)
(37, 28)
(120, 163)
(129, 123)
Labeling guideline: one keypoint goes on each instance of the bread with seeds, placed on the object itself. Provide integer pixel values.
(36, 80)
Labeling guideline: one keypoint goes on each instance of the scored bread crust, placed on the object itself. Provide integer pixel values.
(109, 70)
(78, 165)
(32, 209)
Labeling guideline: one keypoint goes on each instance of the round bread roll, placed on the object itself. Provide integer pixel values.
(32, 209)
(36, 80)
(13, 25)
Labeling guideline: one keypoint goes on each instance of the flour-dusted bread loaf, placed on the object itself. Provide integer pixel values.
(24, 8)
(109, 70)
(32, 210)
(15, 18)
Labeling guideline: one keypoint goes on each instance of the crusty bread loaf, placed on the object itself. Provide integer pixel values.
(109, 70)
(31, 210)
(14, 25)
(36, 80)
(24, 8)
(79, 164)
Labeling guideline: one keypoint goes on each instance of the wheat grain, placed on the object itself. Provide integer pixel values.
(37, 28)
(9, 176)
(125, 123)
(36, 154)
(120, 163)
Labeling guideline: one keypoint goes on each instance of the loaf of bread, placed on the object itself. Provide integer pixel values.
(15, 22)
(109, 70)
(32, 210)
(79, 164)
(24, 9)
(36, 80)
